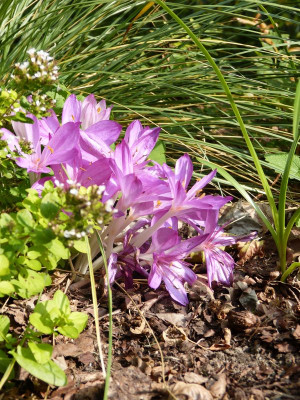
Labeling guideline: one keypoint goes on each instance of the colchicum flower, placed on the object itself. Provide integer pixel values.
(147, 200)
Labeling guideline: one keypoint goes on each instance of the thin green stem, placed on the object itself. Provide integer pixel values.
(223, 82)
(110, 331)
(95, 304)
(7, 373)
(284, 183)
(290, 225)
(290, 269)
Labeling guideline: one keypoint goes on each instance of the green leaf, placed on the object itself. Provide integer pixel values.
(34, 264)
(79, 320)
(69, 331)
(44, 317)
(42, 352)
(49, 206)
(278, 161)
(43, 235)
(29, 283)
(4, 327)
(4, 362)
(20, 117)
(33, 254)
(80, 245)
(58, 249)
(158, 153)
(62, 302)
(4, 265)
(6, 288)
(49, 372)
(25, 218)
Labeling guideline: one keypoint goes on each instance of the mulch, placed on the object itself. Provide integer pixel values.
(229, 343)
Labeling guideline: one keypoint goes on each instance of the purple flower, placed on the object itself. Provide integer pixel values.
(59, 149)
(88, 112)
(219, 263)
(165, 256)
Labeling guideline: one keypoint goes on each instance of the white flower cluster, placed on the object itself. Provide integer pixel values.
(72, 234)
(41, 67)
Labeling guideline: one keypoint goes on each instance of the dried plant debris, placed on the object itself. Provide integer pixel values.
(229, 343)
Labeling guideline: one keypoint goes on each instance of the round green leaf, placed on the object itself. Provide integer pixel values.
(4, 265)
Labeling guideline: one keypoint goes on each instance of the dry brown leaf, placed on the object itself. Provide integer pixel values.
(190, 391)
(177, 319)
(173, 335)
(296, 332)
(242, 320)
(285, 347)
(139, 329)
(249, 250)
(224, 344)
(201, 291)
(218, 389)
(192, 377)
(84, 344)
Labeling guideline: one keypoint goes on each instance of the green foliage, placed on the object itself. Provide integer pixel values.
(48, 372)
(156, 74)
(42, 233)
(278, 162)
(158, 153)
(49, 317)
(55, 316)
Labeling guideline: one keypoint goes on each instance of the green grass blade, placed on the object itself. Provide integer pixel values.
(243, 192)
(233, 106)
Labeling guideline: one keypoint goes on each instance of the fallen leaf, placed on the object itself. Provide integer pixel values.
(224, 344)
(296, 332)
(284, 347)
(138, 330)
(190, 391)
(218, 389)
(242, 320)
(249, 250)
(177, 319)
(191, 377)
(173, 335)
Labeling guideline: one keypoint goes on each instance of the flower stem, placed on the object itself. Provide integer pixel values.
(109, 355)
(95, 305)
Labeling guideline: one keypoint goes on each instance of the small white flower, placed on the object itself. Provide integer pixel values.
(100, 190)
(24, 65)
(31, 51)
(38, 103)
(43, 108)
(70, 182)
(109, 205)
(74, 192)
(33, 59)
(37, 75)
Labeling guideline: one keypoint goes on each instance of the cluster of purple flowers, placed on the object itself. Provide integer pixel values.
(148, 200)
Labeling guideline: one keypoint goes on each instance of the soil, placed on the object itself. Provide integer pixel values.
(229, 343)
